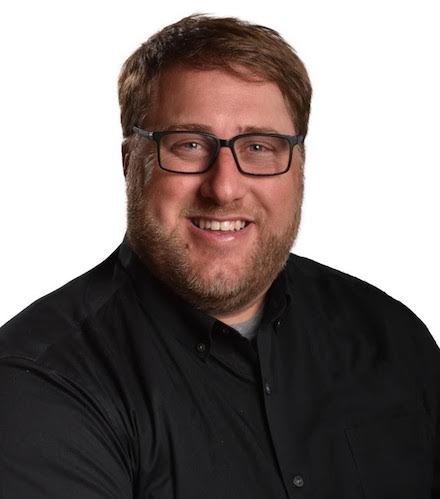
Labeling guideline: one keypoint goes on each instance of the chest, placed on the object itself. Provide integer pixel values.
(300, 422)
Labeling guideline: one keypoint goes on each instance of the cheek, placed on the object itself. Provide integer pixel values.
(166, 196)
(282, 209)
(284, 197)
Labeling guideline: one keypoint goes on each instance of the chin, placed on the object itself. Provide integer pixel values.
(212, 281)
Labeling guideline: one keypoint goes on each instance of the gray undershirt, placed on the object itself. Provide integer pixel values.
(248, 329)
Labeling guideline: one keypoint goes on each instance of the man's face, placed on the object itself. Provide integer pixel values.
(223, 272)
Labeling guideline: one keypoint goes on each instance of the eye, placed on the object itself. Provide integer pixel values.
(187, 145)
(190, 145)
(257, 148)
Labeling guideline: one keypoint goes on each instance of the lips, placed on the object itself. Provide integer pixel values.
(233, 225)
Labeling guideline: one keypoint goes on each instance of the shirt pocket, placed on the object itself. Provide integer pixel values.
(394, 457)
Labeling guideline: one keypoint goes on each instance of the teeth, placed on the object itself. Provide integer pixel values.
(224, 226)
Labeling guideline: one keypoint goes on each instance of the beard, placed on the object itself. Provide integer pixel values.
(219, 289)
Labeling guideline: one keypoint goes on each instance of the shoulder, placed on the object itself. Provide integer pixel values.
(56, 392)
(358, 313)
(349, 303)
(325, 277)
(61, 314)
(73, 347)
(335, 289)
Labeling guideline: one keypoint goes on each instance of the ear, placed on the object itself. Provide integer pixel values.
(125, 150)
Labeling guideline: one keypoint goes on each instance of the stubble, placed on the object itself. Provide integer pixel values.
(168, 257)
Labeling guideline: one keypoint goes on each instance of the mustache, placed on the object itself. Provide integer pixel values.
(213, 211)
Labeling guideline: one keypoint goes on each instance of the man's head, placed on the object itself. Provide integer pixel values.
(219, 238)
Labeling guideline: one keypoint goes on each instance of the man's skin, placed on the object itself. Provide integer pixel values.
(241, 264)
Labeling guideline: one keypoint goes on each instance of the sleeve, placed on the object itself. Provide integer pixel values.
(429, 377)
(431, 358)
(55, 441)
(423, 359)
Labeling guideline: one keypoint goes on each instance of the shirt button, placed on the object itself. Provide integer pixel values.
(201, 347)
(267, 388)
(298, 481)
(277, 324)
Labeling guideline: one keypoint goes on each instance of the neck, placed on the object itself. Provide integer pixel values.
(242, 315)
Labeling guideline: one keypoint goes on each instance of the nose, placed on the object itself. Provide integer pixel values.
(223, 183)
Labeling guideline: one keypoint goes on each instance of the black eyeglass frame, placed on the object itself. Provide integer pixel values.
(293, 140)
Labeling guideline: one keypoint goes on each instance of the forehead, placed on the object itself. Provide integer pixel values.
(218, 99)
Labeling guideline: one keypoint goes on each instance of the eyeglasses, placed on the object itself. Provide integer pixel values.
(260, 154)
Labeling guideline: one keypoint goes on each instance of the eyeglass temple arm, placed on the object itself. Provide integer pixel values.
(144, 133)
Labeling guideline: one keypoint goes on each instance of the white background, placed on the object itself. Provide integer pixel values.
(372, 193)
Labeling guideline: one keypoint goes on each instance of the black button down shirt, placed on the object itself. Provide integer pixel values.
(112, 387)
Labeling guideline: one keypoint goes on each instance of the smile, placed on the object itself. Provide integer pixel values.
(224, 225)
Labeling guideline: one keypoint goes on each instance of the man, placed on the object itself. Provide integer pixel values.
(201, 360)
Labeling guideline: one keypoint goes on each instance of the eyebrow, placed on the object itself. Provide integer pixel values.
(191, 127)
(198, 127)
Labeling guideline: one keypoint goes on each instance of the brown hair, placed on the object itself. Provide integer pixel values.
(204, 42)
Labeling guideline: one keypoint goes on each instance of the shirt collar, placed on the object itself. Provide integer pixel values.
(277, 300)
